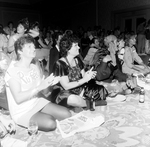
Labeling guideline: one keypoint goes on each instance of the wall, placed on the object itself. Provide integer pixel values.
(72, 16)
(85, 13)
(14, 14)
(108, 7)
(16, 1)
(16, 10)
(109, 12)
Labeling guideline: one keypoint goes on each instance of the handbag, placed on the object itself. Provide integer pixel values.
(95, 92)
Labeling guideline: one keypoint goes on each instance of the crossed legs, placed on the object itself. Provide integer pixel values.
(46, 118)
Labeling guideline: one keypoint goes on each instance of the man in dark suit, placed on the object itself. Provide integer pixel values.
(54, 52)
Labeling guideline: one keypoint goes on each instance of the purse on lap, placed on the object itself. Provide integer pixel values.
(95, 91)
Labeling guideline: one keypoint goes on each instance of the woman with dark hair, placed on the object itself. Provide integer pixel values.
(42, 52)
(74, 81)
(35, 32)
(10, 24)
(24, 81)
(22, 28)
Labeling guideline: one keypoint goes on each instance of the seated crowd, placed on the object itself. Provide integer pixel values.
(49, 73)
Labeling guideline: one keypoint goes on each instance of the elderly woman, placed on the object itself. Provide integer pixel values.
(130, 57)
(24, 81)
(73, 77)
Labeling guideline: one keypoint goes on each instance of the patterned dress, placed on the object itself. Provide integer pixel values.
(61, 68)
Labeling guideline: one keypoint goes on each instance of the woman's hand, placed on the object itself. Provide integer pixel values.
(56, 80)
(90, 74)
(49, 81)
(8, 123)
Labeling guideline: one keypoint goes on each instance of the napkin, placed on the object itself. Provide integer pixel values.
(143, 84)
(12, 142)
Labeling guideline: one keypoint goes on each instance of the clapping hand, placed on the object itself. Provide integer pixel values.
(90, 74)
(56, 80)
(49, 81)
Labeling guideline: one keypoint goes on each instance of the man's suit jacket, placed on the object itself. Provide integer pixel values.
(53, 57)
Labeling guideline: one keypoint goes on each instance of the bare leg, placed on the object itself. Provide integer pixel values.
(75, 100)
(45, 122)
(57, 111)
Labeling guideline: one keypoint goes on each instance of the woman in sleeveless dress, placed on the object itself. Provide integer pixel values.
(74, 80)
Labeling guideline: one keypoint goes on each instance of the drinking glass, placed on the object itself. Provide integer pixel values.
(2, 134)
(32, 129)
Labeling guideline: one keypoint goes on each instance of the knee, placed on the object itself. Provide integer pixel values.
(50, 125)
(67, 114)
(73, 100)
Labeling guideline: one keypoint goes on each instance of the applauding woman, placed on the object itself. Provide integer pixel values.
(24, 81)
(73, 78)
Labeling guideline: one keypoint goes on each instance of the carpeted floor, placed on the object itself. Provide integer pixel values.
(127, 124)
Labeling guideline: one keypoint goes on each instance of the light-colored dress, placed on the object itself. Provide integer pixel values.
(28, 78)
(130, 56)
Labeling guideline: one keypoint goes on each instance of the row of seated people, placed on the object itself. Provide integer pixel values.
(117, 53)
(24, 82)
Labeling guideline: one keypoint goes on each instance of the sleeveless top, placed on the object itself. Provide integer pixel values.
(73, 73)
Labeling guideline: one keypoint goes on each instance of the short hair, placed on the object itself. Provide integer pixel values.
(93, 39)
(34, 24)
(10, 22)
(25, 39)
(24, 22)
(128, 37)
(55, 37)
(66, 43)
(109, 38)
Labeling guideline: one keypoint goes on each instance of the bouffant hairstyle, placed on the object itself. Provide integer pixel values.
(25, 39)
(66, 43)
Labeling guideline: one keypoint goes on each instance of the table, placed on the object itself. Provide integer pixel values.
(127, 124)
